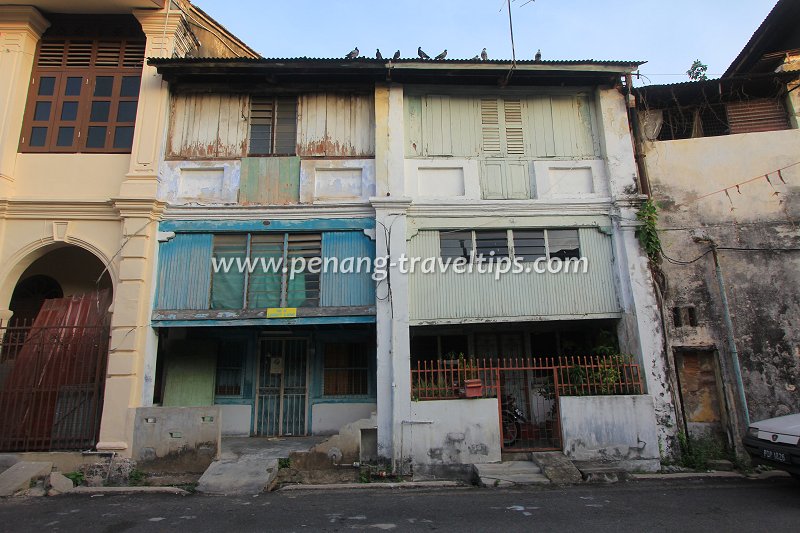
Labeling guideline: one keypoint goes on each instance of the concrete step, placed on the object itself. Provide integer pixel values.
(509, 473)
(18, 476)
(557, 467)
(594, 472)
(241, 476)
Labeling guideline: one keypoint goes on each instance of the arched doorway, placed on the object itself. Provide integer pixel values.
(53, 353)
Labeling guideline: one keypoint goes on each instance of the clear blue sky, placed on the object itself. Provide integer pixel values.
(669, 34)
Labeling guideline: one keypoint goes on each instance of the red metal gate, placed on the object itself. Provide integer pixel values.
(52, 377)
(528, 406)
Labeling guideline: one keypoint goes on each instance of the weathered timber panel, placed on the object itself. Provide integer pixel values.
(336, 125)
(207, 126)
(551, 126)
(270, 181)
(340, 289)
(474, 296)
(184, 271)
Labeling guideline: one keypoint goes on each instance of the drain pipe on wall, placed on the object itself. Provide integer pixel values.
(726, 314)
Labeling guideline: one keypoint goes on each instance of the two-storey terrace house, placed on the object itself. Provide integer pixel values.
(81, 128)
(420, 162)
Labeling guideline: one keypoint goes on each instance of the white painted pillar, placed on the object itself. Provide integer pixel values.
(393, 353)
(640, 331)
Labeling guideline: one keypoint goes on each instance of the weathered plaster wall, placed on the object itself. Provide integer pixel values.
(179, 439)
(452, 432)
(613, 428)
(236, 420)
(761, 282)
(199, 182)
(328, 418)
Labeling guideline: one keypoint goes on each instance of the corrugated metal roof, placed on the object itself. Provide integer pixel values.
(778, 24)
(369, 60)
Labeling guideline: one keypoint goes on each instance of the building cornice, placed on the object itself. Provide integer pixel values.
(38, 209)
(508, 208)
(298, 212)
(26, 18)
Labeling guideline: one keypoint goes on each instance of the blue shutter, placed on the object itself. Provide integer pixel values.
(184, 272)
(347, 290)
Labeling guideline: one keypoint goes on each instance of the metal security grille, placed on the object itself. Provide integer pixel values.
(51, 387)
(282, 391)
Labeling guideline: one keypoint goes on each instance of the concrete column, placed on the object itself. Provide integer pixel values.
(21, 27)
(132, 347)
(393, 347)
(640, 331)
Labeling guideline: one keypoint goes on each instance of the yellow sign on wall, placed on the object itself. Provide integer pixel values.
(282, 312)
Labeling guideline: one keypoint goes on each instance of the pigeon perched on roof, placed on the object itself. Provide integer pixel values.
(442, 55)
(538, 56)
(378, 54)
(484, 55)
(396, 55)
(353, 54)
(422, 54)
(475, 58)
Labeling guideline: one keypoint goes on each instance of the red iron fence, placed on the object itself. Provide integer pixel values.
(528, 389)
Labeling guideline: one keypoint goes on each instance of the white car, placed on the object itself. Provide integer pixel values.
(775, 442)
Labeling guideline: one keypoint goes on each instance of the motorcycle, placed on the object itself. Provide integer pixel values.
(512, 418)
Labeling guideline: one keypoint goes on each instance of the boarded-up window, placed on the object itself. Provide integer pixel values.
(346, 369)
(273, 125)
(83, 96)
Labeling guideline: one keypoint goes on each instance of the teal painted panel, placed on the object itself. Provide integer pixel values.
(258, 225)
(347, 289)
(270, 181)
(184, 272)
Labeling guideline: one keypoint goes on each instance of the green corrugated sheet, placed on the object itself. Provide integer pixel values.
(270, 181)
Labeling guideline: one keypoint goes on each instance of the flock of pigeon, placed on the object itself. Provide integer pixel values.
(483, 56)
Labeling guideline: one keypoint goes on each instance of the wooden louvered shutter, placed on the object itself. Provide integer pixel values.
(757, 115)
(286, 126)
(515, 143)
(261, 114)
(490, 126)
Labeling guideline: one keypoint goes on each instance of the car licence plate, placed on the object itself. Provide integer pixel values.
(774, 456)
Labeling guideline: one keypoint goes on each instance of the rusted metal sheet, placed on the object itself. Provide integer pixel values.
(336, 125)
(757, 115)
(270, 181)
(208, 126)
(52, 376)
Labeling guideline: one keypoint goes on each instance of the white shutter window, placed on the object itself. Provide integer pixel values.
(490, 126)
(515, 142)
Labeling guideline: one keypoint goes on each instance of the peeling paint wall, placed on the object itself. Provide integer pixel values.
(199, 182)
(337, 125)
(207, 126)
(452, 432)
(611, 428)
(758, 219)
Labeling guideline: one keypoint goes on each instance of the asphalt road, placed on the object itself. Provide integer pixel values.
(697, 505)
